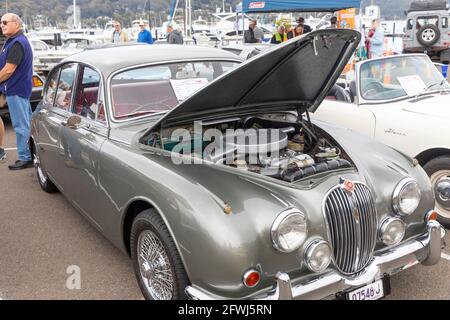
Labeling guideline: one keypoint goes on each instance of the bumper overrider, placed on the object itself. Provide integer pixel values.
(425, 249)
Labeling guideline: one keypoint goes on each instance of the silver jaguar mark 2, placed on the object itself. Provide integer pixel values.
(327, 213)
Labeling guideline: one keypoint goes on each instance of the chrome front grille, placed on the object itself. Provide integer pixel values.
(352, 223)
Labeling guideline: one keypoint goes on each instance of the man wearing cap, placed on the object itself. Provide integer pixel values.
(253, 34)
(306, 28)
(174, 36)
(144, 35)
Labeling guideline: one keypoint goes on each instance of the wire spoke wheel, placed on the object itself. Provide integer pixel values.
(155, 266)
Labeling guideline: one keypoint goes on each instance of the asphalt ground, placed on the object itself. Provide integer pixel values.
(44, 242)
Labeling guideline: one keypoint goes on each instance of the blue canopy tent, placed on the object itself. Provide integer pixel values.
(255, 6)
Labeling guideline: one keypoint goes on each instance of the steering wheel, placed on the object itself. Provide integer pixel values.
(372, 89)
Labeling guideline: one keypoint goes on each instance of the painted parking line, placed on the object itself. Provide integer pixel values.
(10, 149)
(445, 256)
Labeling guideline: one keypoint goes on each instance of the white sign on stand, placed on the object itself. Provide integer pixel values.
(183, 88)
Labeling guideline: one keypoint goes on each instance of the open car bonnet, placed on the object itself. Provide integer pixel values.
(295, 75)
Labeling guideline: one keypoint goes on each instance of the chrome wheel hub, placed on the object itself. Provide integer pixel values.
(155, 268)
(441, 185)
(37, 165)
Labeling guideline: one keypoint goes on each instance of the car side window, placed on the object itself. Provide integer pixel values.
(52, 84)
(445, 23)
(65, 86)
(410, 24)
(87, 93)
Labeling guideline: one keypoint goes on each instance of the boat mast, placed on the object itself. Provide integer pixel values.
(188, 19)
(75, 14)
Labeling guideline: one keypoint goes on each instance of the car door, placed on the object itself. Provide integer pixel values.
(54, 112)
(80, 144)
(348, 115)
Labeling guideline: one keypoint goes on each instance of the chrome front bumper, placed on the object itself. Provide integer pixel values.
(425, 250)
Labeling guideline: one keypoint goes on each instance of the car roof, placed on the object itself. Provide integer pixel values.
(108, 60)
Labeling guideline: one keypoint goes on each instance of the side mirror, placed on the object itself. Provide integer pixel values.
(73, 122)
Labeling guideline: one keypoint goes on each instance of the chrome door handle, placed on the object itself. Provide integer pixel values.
(64, 123)
(43, 111)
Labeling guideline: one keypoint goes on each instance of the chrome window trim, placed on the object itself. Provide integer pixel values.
(72, 97)
(102, 88)
(46, 84)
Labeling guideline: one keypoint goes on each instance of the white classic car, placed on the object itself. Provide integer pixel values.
(46, 60)
(404, 102)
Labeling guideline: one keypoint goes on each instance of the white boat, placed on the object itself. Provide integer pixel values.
(84, 32)
(227, 23)
(201, 26)
(48, 36)
(109, 26)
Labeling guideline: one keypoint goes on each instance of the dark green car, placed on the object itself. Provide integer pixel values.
(212, 177)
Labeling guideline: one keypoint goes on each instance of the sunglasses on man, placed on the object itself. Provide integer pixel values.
(6, 22)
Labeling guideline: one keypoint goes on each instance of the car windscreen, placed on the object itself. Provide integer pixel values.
(154, 89)
(398, 77)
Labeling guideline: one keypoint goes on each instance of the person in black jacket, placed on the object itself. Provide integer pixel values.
(174, 36)
(253, 34)
(249, 35)
(306, 28)
(297, 31)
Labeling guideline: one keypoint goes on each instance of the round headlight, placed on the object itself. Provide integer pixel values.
(318, 256)
(406, 197)
(289, 230)
(392, 231)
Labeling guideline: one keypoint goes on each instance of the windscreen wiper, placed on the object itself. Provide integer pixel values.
(436, 83)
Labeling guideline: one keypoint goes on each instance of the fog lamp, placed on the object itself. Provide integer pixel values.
(392, 231)
(318, 255)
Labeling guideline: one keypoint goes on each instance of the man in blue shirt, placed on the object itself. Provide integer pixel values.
(16, 72)
(144, 35)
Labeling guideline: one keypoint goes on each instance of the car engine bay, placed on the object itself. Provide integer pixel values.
(275, 145)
